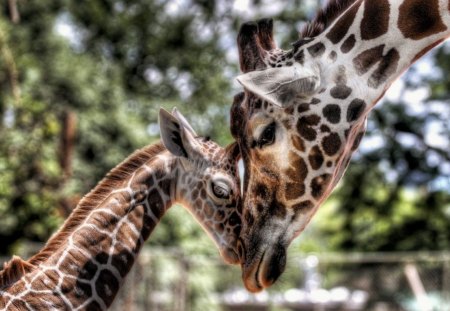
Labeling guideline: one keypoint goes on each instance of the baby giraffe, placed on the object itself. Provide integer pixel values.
(84, 264)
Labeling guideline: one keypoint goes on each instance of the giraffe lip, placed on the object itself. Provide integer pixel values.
(264, 271)
(258, 272)
(251, 275)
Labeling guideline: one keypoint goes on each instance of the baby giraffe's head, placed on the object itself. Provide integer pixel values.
(207, 181)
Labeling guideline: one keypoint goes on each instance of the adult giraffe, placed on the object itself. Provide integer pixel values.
(303, 112)
(82, 267)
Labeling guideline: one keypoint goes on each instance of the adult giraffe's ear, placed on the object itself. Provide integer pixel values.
(177, 134)
(282, 85)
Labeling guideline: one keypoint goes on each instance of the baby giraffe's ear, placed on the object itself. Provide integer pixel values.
(176, 134)
(281, 86)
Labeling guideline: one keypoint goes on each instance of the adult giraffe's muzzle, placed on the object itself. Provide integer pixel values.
(261, 269)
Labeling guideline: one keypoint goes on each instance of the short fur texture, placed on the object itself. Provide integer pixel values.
(16, 267)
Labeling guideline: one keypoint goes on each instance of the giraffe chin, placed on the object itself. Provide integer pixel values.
(264, 272)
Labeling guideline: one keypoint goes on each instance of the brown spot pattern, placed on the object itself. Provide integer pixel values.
(355, 110)
(156, 203)
(298, 170)
(301, 208)
(364, 61)
(341, 27)
(340, 92)
(305, 126)
(331, 144)
(319, 184)
(298, 143)
(302, 108)
(386, 69)
(332, 113)
(375, 21)
(348, 44)
(419, 19)
(317, 49)
(293, 190)
(316, 158)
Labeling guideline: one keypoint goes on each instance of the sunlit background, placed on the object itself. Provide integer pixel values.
(81, 83)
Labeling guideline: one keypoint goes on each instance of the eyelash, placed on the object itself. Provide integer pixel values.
(268, 135)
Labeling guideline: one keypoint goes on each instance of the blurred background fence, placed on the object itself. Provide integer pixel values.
(168, 280)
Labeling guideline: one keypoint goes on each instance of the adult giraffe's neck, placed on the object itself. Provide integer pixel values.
(381, 39)
(85, 263)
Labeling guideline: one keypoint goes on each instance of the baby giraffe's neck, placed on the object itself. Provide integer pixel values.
(84, 264)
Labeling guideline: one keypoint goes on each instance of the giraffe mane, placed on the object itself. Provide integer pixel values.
(95, 197)
(325, 17)
(13, 270)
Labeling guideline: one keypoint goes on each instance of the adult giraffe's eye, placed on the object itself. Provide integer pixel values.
(268, 135)
(220, 190)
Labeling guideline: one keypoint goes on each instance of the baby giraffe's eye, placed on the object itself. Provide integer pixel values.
(220, 190)
(268, 135)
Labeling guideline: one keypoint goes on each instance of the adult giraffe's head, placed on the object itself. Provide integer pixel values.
(303, 112)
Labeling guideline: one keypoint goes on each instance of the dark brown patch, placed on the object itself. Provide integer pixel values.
(315, 158)
(331, 144)
(386, 69)
(261, 191)
(348, 44)
(123, 261)
(298, 143)
(302, 108)
(234, 219)
(156, 203)
(355, 110)
(319, 184)
(107, 286)
(419, 19)
(289, 110)
(332, 113)
(315, 101)
(298, 170)
(375, 21)
(367, 59)
(294, 190)
(305, 126)
(302, 207)
(317, 49)
(325, 129)
(277, 209)
(203, 194)
(300, 57)
(341, 27)
(340, 92)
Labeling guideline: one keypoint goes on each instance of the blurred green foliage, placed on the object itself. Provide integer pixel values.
(114, 63)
